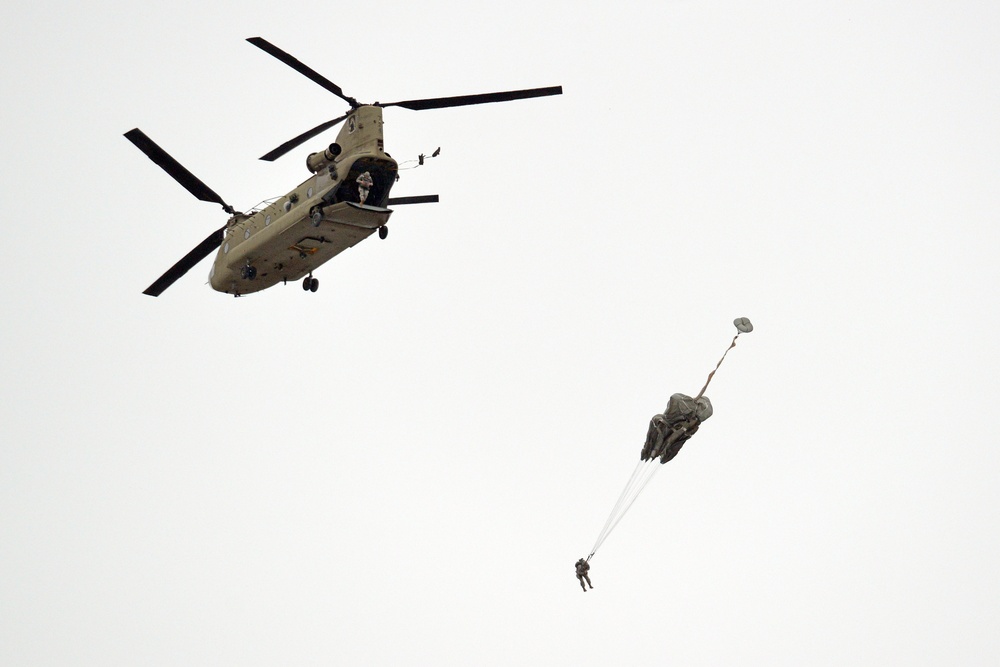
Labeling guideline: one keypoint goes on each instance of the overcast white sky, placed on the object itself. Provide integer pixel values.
(403, 467)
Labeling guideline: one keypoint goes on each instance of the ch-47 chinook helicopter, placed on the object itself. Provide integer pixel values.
(343, 202)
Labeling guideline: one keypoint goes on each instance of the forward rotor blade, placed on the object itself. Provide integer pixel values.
(465, 100)
(417, 199)
(302, 138)
(175, 169)
(301, 68)
(201, 251)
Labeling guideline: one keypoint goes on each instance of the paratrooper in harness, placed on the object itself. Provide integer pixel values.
(582, 569)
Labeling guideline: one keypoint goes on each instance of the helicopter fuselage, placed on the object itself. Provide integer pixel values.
(316, 221)
(342, 203)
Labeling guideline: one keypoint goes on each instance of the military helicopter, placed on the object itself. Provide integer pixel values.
(343, 202)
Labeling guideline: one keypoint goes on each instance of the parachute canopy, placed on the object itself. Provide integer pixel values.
(681, 406)
(670, 430)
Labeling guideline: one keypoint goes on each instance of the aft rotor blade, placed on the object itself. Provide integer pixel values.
(200, 252)
(417, 199)
(301, 139)
(465, 100)
(193, 184)
(301, 68)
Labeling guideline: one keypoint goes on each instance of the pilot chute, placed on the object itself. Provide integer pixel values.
(667, 433)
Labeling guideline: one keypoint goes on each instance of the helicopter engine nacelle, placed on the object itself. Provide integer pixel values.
(316, 162)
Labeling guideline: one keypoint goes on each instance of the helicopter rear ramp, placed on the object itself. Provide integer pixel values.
(356, 215)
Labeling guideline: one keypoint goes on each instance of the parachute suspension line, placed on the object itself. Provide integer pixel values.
(643, 472)
(614, 510)
(649, 475)
(624, 493)
(646, 471)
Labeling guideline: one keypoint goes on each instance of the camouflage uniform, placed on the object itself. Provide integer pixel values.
(582, 568)
(364, 183)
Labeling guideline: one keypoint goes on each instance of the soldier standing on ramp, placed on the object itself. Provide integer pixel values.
(364, 185)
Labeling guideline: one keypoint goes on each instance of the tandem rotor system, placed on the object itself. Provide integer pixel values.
(415, 105)
(250, 254)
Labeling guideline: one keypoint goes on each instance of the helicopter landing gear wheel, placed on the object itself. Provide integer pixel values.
(310, 284)
(248, 272)
(383, 231)
(316, 215)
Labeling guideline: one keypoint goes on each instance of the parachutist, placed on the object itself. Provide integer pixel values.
(666, 435)
(582, 568)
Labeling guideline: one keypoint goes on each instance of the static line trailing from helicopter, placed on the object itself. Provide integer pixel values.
(343, 202)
